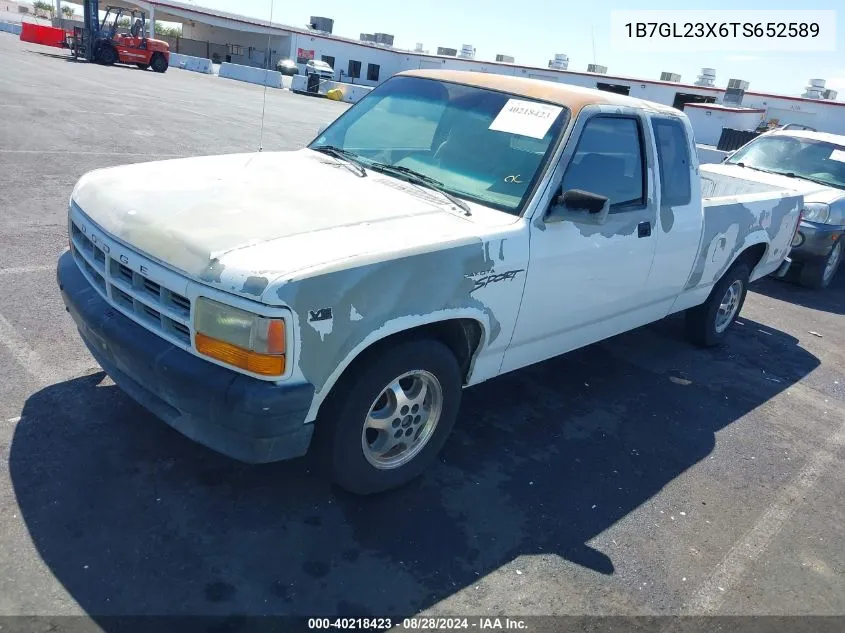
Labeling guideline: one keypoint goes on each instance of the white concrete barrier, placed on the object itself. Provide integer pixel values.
(10, 27)
(186, 62)
(271, 78)
(298, 83)
(352, 93)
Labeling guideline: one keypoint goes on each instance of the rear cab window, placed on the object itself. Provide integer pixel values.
(673, 160)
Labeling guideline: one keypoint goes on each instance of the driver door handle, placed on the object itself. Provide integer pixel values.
(644, 229)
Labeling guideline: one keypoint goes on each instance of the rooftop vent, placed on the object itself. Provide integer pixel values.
(830, 94)
(597, 68)
(560, 62)
(451, 52)
(508, 59)
(815, 90)
(418, 48)
(706, 78)
(321, 24)
(673, 77)
(384, 38)
(467, 51)
(368, 37)
(738, 84)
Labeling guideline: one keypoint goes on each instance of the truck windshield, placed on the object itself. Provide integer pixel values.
(480, 145)
(811, 159)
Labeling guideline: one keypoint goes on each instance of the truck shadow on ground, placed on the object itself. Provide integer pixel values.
(831, 299)
(134, 519)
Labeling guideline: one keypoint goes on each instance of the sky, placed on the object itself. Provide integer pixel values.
(533, 31)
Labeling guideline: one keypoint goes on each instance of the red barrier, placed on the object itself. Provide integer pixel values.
(39, 34)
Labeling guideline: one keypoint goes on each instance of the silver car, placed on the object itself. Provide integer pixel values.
(321, 68)
(814, 164)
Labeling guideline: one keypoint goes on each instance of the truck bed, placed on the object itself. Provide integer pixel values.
(737, 214)
(714, 185)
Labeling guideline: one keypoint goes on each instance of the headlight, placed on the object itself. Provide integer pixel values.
(239, 338)
(816, 212)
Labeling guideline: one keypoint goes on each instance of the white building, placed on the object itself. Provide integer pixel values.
(224, 36)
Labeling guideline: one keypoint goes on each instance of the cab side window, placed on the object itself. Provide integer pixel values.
(609, 161)
(673, 161)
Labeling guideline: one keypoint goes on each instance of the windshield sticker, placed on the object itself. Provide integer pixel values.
(838, 154)
(526, 118)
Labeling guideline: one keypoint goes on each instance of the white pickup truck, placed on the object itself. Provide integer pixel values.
(465, 225)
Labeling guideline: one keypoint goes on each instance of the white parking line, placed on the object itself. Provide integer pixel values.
(16, 270)
(27, 358)
(86, 153)
(76, 112)
(711, 595)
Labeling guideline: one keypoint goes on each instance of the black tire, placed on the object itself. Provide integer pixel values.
(813, 274)
(143, 66)
(340, 425)
(701, 320)
(159, 63)
(106, 54)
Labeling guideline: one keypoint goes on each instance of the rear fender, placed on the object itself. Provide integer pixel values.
(736, 224)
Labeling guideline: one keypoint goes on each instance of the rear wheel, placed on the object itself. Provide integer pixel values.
(158, 63)
(389, 417)
(708, 324)
(143, 66)
(819, 274)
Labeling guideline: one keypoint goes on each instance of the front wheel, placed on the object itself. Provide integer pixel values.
(106, 55)
(158, 63)
(387, 420)
(708, 324)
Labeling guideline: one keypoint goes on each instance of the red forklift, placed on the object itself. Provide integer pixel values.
(110, 42)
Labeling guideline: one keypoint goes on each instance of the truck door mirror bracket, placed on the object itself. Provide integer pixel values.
(578, 205)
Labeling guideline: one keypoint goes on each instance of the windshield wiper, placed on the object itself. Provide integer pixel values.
(423, 180)
(741, 164)
(344, 155)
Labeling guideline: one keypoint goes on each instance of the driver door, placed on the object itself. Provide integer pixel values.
(586, 281)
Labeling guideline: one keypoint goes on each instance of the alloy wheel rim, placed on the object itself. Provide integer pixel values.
(728, 306)
(833, 261)
(402, 419)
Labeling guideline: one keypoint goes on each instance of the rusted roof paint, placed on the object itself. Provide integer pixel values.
(573, 97)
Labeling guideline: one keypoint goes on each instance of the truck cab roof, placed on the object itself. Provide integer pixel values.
(573, 97)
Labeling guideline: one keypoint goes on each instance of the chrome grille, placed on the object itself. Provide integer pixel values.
(155, 306)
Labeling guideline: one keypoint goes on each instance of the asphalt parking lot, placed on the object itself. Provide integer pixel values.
(639, 476)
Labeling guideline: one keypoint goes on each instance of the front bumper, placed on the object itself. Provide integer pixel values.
(815, 241)
(245, 418)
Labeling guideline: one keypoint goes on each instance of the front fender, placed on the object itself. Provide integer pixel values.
(340, 314)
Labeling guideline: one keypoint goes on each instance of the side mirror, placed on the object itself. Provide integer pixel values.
(580, 206)
(727, 156)
(580, 200)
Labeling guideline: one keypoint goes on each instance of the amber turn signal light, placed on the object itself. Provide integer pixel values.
(262, 364)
